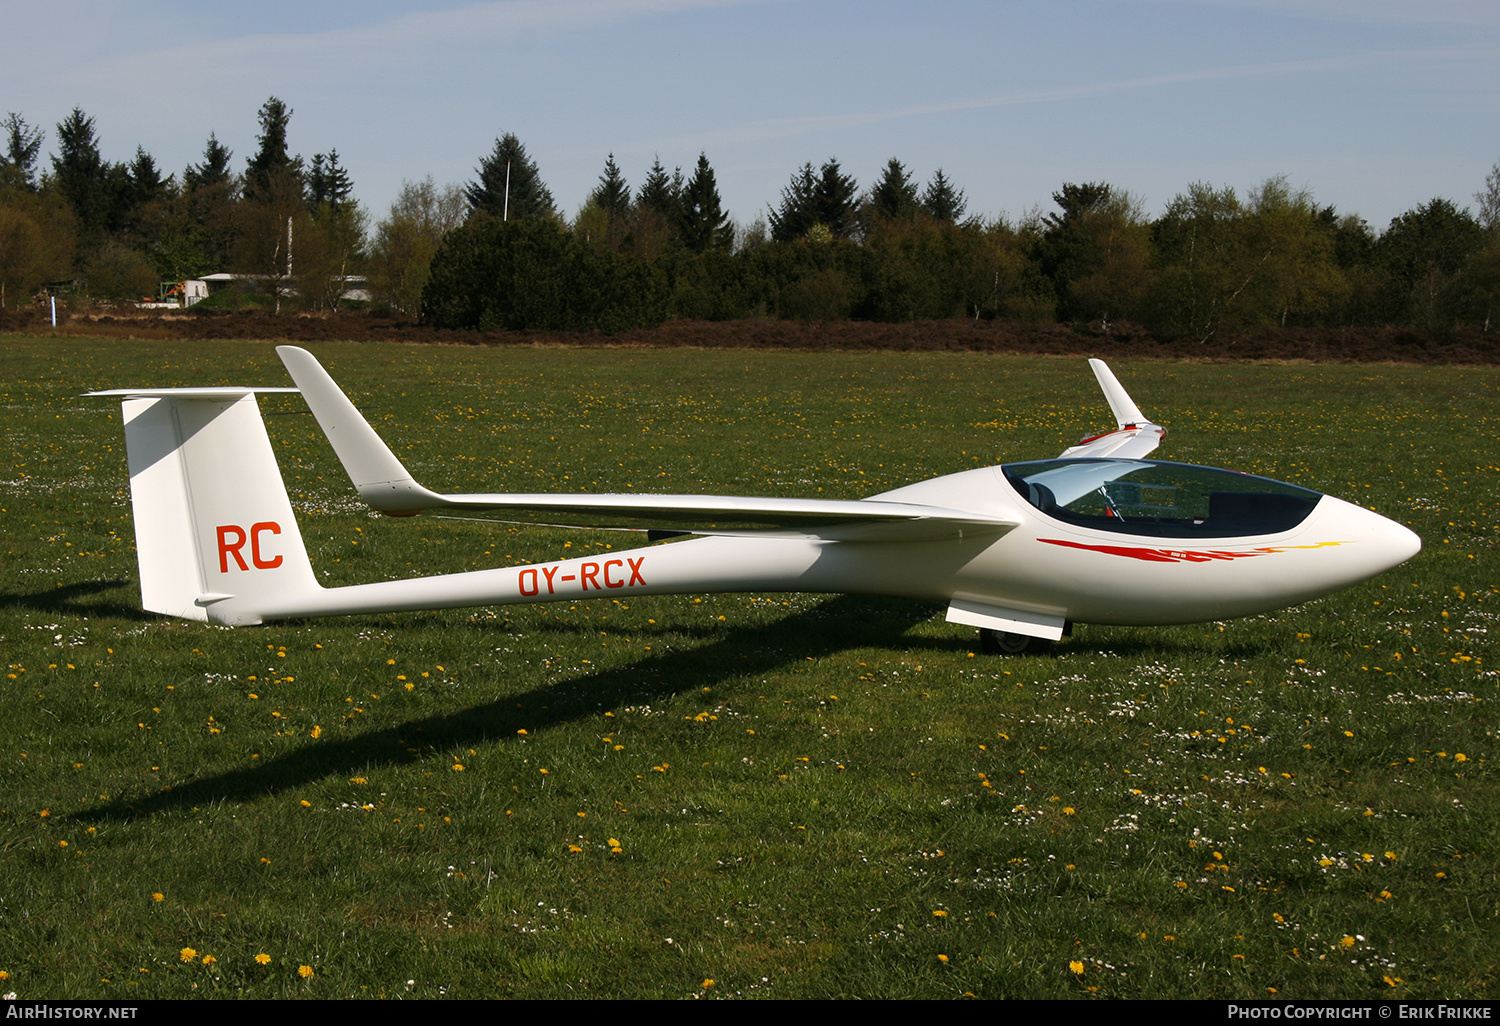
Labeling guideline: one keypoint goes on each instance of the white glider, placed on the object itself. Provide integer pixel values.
(1099, 535)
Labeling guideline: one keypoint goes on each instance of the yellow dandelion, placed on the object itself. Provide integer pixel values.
(1077, 967)
(306, 804)
(262, 959)
(707, 984)
(187, 954)
(158, 896)
(939, 913)
(305, 971)
(1460, 757)
(458, 767)
(1346, 941)
(942, 958)
(574, 848)
(209, 960)
(317, 732)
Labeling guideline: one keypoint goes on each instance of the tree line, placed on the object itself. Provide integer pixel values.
(498, 251)
(114, 231)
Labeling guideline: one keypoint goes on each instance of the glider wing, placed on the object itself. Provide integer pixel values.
(386, 485)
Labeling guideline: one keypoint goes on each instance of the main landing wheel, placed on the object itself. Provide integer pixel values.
(993, 642)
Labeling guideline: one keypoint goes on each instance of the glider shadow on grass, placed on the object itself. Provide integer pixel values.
(841, 623)
(77, 600)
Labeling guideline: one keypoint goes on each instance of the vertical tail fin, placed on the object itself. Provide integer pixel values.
(214, 528)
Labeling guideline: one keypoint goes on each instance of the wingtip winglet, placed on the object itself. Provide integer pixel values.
(379, 476)
(1126, 412)
(1134, 435)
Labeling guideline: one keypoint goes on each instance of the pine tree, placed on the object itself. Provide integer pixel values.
(943, 202)
(612, 194)
(836, 196)
(210, 191)
(91, 186)
(798, 210)
(656, 191)
(328, 182)
(215, 167)
(146, 182)
(272, 172)
(22, 145)
(825, 197)
(895, 195)
(703, 223)
(529, 196)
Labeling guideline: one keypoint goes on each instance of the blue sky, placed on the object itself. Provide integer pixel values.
(1372, 105)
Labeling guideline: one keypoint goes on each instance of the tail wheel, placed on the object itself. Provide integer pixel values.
(993, 642)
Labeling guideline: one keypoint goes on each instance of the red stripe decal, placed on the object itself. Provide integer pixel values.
(1158, 555)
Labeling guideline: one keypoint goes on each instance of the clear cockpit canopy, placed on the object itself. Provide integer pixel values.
(1160, 499)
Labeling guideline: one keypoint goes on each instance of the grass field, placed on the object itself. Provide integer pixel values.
(745, 795)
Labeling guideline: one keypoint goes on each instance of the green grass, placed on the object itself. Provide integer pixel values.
(798, 785)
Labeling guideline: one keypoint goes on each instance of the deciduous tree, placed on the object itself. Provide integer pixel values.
(1425, 251)
(408, 236)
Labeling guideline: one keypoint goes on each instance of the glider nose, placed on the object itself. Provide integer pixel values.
(1383, 542)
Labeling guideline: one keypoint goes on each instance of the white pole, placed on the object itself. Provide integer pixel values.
(54, 310)
(506, 215)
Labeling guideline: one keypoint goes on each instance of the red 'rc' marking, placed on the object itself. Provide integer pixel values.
(232, 539)
(611, 571)
(1156, 555)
